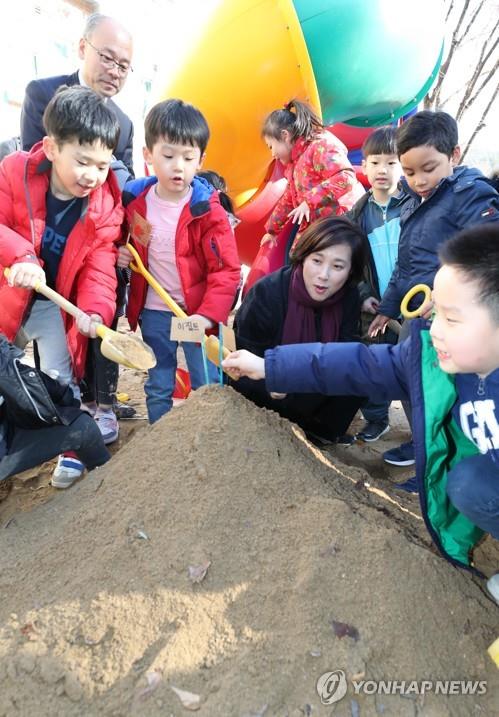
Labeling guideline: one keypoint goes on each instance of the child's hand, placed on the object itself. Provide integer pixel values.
(244, 363)
(26, 275)
(426, 309)
(269, 238)
(370, 305)
(203, 322)
(87, 323)
(299, 213)
(378, 325)
(124, 257)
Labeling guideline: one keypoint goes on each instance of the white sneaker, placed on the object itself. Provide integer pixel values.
(67, 471)
(493, 587)
(108, 425)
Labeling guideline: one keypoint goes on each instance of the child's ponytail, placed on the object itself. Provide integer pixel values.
(302, 122)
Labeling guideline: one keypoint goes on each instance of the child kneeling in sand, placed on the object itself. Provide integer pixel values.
(450, 372)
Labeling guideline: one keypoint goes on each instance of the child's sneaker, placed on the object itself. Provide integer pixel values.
(67, 471)
(493, 587)
(373, 430)
(410, 485)
(403, 455)
(108, 425)
(123, 411)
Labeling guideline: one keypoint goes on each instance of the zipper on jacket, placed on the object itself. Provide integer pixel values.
(30, 397)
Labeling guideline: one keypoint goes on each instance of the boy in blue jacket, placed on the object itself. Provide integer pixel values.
(450, 373)
(445, 199)
(378, 215)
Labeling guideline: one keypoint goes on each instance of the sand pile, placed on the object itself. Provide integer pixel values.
(220, 554)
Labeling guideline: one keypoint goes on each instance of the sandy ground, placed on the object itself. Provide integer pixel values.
(221, 554)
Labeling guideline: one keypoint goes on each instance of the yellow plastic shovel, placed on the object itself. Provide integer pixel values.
(211, 343)
(125, 349)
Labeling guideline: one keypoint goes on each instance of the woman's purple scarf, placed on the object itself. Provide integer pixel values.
(300, 321)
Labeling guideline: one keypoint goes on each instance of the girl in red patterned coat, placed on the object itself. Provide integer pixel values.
(321, 180)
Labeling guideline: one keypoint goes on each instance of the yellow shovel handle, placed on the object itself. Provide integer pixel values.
(139, 268)
(494, 651)
(61, 302)
(419, 288)
(211, 343)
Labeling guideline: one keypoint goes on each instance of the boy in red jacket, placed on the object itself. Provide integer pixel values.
(185, 241)
(60, 214)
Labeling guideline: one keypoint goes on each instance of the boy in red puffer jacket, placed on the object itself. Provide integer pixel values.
(60, 214)
(183, 236)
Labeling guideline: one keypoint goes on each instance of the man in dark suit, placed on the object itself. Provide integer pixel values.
(106, 53)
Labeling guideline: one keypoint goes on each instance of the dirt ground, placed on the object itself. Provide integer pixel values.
(219, 553)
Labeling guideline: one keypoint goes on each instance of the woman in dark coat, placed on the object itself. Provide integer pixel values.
(313, 300)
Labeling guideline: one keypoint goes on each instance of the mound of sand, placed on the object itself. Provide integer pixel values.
(220, 554)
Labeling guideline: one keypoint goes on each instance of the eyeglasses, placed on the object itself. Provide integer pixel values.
(110, 62)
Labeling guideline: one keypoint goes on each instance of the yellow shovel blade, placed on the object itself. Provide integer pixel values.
(126, 349)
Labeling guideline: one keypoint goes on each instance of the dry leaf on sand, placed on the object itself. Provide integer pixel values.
(189, 700)
(197, 573)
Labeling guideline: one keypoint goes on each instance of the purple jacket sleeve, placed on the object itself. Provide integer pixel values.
(336, 369)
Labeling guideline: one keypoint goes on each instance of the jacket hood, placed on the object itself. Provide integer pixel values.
(359, 205)
(461, 178)
(202, 192)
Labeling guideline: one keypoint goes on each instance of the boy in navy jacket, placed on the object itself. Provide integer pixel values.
(445, 199)
(450, 372)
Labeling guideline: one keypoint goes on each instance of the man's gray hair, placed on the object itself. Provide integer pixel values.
(93, 21)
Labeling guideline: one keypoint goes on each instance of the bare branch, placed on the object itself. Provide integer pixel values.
(484, 56)
(473, 18)
(449, 11)
(481, 123)
(490, 75)
(434, 96)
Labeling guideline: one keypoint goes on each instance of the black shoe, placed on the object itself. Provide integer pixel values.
(410, 485)
(345, 440)
(403, 455)
(123, 411)
(319, 441)
(373, 430)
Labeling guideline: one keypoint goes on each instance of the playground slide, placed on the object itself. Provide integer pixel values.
(360, 63)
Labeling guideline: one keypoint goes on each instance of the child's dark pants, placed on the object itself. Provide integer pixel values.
(30, 448)
(473, 488)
